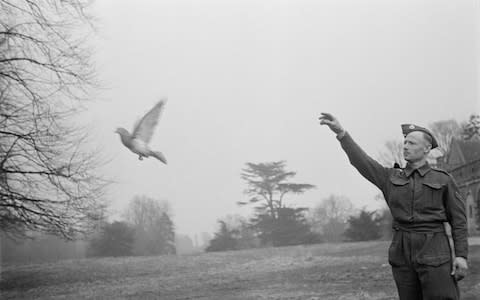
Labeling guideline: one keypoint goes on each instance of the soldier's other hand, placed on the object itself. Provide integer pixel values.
(460, 268)
(331, 122)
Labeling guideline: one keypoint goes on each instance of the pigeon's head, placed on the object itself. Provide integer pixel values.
(122, 131)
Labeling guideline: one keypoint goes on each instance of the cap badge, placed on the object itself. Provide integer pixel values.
(411, 126)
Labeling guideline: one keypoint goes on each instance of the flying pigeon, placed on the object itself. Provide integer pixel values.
(138, 141)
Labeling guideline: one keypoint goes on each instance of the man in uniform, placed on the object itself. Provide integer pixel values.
(422, 200)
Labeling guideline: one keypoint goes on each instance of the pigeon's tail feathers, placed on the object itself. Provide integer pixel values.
(159, 155)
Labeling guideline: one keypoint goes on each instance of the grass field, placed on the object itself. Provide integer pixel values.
(325, 271)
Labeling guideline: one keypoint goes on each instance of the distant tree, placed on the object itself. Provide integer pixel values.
(364, 227)
(392, 154)
(333, 230)
(444, 131)
(247, 236)
(115, 239)
(386, 220)
(49, 181)
(268, 184)
(244, 232)
(154, 229)
(223, 240)
(290, 228)
(334, 207)
(385, 217)
(184, 244)
(40, 248)
(235, 233)
(471, 128)
(203, 241)
(330, 217)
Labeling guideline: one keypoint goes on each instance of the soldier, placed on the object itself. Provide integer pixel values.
(422, 200)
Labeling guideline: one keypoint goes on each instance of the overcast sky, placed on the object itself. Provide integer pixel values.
(247, 80)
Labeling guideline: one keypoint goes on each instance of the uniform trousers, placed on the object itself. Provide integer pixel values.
(421, 264)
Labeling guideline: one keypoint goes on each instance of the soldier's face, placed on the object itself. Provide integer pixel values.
(415, 146)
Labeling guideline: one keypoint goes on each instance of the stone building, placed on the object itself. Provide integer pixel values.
(463, 162)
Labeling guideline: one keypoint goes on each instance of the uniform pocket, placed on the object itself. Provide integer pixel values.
(433, 195)
(435, 251)
(395, 251)
(435, 186)
(399, 196)
(398, 181)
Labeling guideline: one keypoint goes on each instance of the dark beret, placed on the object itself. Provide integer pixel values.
(407, 128)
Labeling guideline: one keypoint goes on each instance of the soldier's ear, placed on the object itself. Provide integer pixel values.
(428, 147)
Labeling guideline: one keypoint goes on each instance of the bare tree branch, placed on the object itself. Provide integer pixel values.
(48, 177)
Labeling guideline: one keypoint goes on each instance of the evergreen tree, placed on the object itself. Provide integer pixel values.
(224, 239)
(364, 227)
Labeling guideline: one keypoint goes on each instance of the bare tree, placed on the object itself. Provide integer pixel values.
(143, 211)
(334, 207)
(154, 229)
(444, 131)
(330, 217)
(48, 179)
(392, 154)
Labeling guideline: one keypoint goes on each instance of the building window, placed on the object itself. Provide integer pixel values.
(470, 212)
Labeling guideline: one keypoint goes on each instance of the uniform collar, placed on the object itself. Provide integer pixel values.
(422, 170)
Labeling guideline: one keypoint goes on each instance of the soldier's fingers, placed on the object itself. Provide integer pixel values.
(327, 115)
(454, 269)
(326, 122)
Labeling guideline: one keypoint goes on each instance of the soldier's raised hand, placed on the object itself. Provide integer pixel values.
(331, 122)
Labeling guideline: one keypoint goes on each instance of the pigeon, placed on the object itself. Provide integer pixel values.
(142, 133)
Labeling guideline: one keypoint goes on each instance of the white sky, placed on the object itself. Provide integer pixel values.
(246, 81)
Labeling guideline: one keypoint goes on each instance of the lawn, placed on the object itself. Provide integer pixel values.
(325, 271)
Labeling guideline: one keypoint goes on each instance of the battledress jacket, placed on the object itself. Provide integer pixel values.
(425, 198)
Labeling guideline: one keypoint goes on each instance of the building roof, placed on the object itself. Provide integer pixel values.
(469, 149)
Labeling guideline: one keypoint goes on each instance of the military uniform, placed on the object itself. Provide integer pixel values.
(420, 201)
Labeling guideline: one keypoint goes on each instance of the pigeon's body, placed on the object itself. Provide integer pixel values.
(138, 146)
(138, 141)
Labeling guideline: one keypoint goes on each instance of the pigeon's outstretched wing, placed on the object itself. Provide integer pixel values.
(144, 128)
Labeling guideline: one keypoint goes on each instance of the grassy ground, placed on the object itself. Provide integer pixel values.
(328, 271)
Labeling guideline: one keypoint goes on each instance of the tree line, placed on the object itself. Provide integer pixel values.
(275, 223)
(145, 228)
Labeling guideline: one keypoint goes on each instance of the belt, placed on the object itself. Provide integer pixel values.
(421, 227)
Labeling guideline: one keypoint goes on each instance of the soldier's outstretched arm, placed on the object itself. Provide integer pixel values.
(367, 166)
